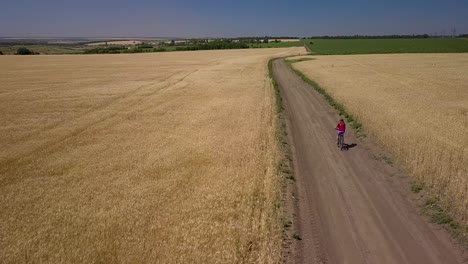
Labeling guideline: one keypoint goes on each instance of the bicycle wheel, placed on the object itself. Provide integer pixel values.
(341, 141)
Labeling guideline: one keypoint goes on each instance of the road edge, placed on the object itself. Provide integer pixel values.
(284, 170)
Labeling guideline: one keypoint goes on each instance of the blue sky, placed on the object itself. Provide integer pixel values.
(221, 18)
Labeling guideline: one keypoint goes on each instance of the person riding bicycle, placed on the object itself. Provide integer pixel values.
(341, 127)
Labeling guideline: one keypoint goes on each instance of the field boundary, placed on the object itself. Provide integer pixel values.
(284, 169)
(432, 208)
(308, 49)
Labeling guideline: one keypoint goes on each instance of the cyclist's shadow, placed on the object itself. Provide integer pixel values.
(349, 146)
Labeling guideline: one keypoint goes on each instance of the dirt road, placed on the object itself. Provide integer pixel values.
(349, 208)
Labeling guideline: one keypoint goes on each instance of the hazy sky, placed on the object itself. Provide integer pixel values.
(222, 18)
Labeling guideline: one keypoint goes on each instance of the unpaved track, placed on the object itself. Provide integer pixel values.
(349, 210)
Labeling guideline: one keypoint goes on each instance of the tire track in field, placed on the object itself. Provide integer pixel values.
(86, 121)
(108, 103)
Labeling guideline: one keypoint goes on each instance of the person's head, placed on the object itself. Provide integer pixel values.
(342, 121)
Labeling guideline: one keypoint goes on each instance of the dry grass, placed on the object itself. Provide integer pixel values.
(415, 105)
(152, 158)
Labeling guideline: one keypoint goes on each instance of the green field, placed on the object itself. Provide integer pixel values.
(382, 46)
(277, 44)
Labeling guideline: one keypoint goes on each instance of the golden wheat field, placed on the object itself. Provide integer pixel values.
(147, 158)
(416, 105)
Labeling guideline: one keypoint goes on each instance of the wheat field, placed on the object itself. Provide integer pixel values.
(142, 158)
(415, 105)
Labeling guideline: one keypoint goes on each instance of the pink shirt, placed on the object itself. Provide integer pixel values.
(341, 127)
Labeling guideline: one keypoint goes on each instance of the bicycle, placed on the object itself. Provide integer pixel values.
(341, 143)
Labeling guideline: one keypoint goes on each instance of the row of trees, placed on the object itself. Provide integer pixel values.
(197, 42)
(106, 50)
(215, 45)
(246, 40)
(116, 49)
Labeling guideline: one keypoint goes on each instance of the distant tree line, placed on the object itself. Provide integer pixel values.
(215, 45)
(144, 48)
(106, 50)
(269, 37)
(261, 39)
(117, 49)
